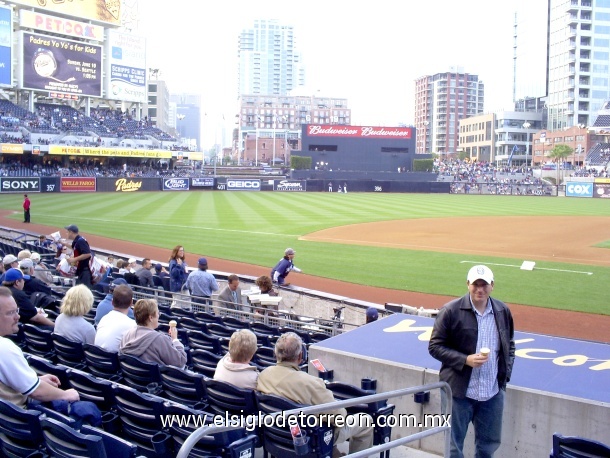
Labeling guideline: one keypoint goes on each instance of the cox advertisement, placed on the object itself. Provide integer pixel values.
(175, 184)
(579, 189)
(57, 65)
(77, 184)
(242, 184)
(17, 184)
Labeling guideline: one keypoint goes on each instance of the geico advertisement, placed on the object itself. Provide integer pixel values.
(20, 184)
(243, 185)
(77, 184)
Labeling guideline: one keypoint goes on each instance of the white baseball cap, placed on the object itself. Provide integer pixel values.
(480, 273)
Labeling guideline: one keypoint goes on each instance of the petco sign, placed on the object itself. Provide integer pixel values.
(20, 184)
(579, 189)
(176, 184)
(243, 185)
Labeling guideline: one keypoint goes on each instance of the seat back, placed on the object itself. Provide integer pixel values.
(578, 447)
(140, 414)
(69, 352)
(234, 323)
(231, 444)
(224, 397)
(20, 431)
(183, 386)
(102, 363)
(342, 391)
(203, 341)
(208, 317)
(278, 440)
(90, 388)
(41, 366)
(220, 330)
(264, 357)
(115, 446)
(39, 342)
(192, 324)
(204, 362)
(138, 373)
(64, 442)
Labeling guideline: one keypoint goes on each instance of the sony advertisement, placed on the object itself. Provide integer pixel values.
(20, 184)
(63, 66)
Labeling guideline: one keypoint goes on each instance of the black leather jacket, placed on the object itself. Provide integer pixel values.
(454, 337)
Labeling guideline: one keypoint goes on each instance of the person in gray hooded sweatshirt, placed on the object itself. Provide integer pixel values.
(148, 344)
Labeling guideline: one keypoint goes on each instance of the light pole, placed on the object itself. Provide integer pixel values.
(527, 125)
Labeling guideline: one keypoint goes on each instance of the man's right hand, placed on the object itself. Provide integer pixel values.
(476, 360)
(71, 395)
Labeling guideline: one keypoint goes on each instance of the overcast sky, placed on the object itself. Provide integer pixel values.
(367, 52)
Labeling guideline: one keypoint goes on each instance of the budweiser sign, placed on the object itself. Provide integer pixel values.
(358, 131)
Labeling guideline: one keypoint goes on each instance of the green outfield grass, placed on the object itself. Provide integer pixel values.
(256, 227)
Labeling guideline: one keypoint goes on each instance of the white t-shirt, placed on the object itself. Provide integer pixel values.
(111, 328)
(17, 379)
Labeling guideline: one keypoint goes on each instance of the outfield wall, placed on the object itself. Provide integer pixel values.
(133, 184)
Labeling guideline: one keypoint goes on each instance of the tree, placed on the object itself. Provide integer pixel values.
(558, 155)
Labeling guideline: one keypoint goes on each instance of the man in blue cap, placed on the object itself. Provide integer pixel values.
(201, 284)
(14, 280)
(82, 255)
(105, 304)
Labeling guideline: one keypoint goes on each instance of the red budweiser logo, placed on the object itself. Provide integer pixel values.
(358, 131)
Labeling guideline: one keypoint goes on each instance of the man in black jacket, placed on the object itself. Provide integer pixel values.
(473, 339)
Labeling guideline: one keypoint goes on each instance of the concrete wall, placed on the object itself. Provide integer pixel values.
(530, 417)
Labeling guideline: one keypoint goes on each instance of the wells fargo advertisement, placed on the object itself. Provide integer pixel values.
(110, 152)
(77, 184)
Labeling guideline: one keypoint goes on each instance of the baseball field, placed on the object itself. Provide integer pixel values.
(412, 242)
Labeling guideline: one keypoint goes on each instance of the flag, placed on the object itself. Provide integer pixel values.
(510, 158)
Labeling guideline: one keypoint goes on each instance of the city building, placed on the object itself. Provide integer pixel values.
(157, 109)
(269, 62)
(269, 127)
(441, 102)
(501, 137)
(578, 61)
(579, 138)
(187, 119)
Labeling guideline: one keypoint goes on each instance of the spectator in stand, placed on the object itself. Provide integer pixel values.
(41, 271)
(160, 271)
(18, 381)
(24, 254)
(115, 323)
(265, 285)
(148, 344)
(9, 262)
(14, 280)
(43, 241)
(230, 296)
(82, 255)
(122, 266)
(201, 284)
(70, 323)
(32, 284)
(235, 367)
(145, 275)
(105, 304)
(132, 265)
(286, 379)
(371, 315)
(177, 269)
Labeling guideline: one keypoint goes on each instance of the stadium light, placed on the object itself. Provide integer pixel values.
(527, 125)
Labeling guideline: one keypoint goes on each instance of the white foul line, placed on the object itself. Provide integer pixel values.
(535, 268)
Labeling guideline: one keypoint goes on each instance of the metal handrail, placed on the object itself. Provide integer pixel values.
(203, 431)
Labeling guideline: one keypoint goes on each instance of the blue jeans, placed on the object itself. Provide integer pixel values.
(486, 416)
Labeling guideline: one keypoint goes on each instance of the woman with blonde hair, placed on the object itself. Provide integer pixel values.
(148, 344)
(71, 322)
(235, 366)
